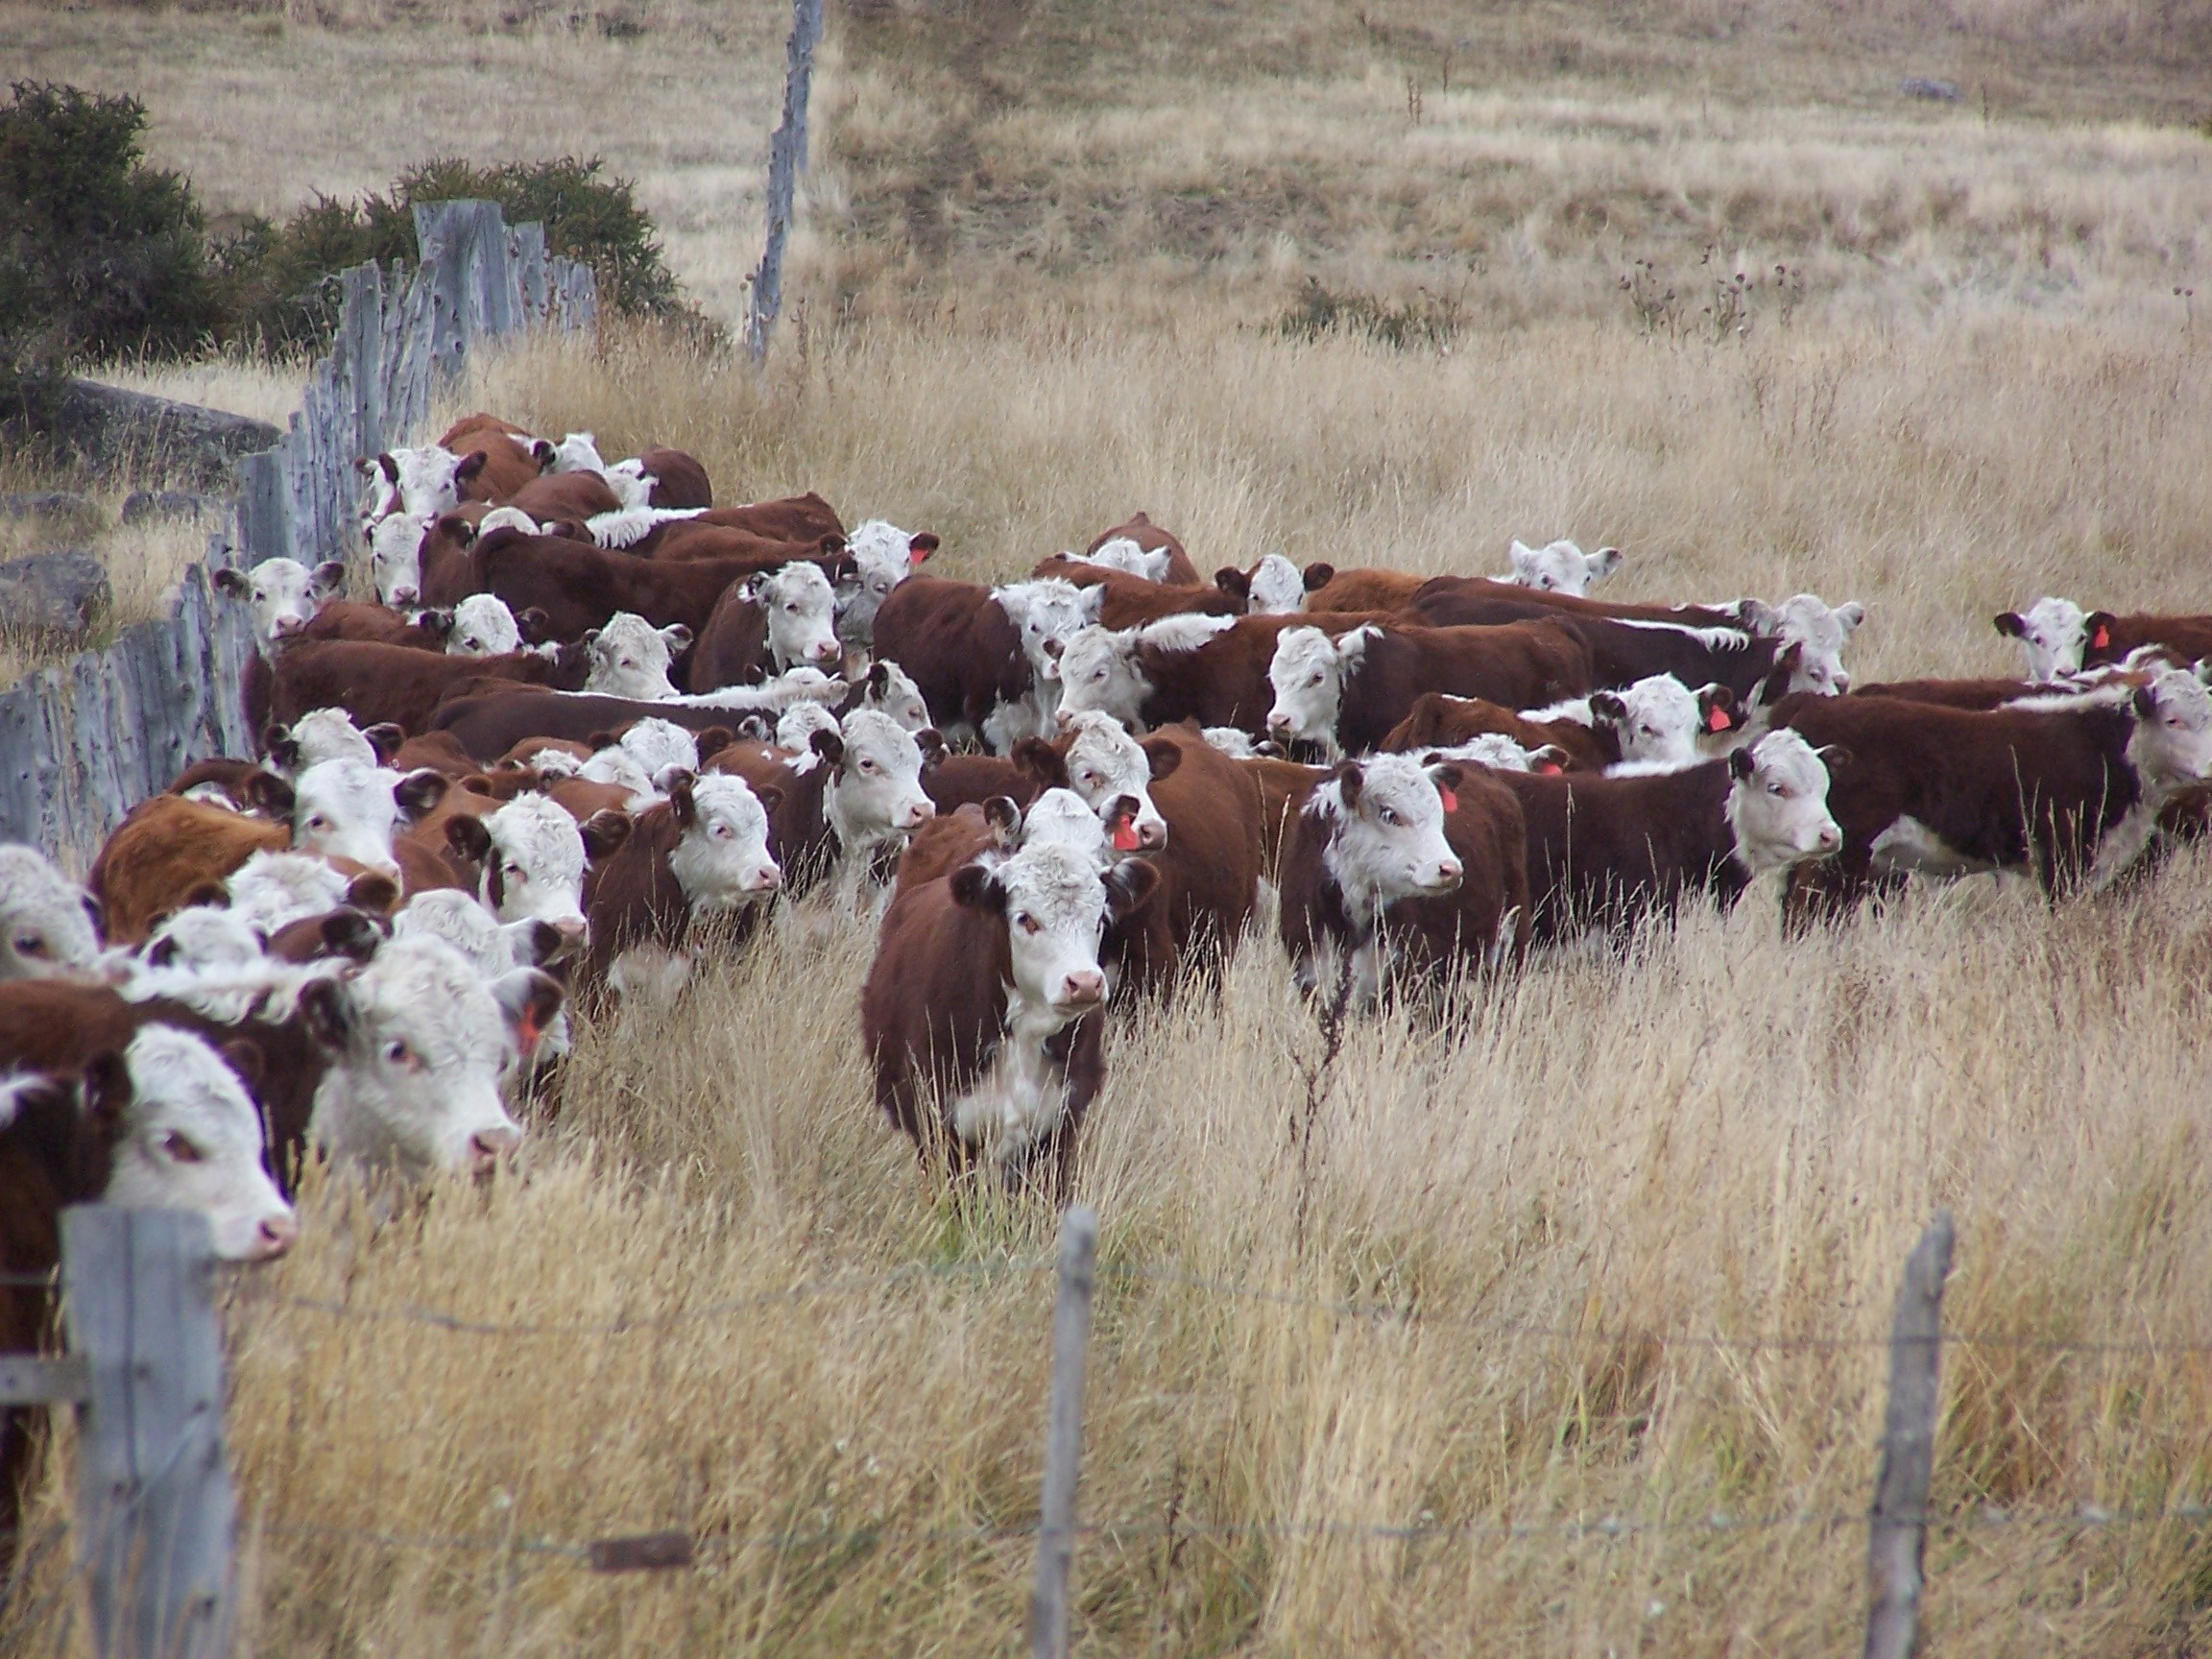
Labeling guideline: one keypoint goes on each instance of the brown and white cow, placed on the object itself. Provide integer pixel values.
(1438, 721)
(1131, 601)
(1559, 567)
(984, 1006)
(1211, 669)
(859, 791)
(48, 923)
(1150, 538)
(284, 594)
(1273, 587)
(390, 684)
(1347, 694)
(986, 660)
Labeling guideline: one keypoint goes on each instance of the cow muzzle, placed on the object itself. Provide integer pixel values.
(488, 1147)
(1084, 990)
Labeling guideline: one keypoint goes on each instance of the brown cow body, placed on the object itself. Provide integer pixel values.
(1131, 601)
(679, 481)
(1516, 665)
(167, 851)
(957, 644)
(1140, 529)
(1210, 867)
(1438, 720)
(379, 684)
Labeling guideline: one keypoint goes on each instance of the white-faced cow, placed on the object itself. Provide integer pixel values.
(1562, 567)
(284, 594)
(46, 920)
(884, 556)
(346, 809)
(631, 658)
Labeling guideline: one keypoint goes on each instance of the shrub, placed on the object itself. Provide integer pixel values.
(1428, 320)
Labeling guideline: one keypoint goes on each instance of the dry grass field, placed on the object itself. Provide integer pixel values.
(1620, 1235)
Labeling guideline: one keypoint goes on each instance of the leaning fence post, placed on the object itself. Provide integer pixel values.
(1064, 1431)
(155, 1516)
(1898, 1535)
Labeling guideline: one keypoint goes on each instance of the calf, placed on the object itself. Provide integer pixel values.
(2070, 785)
(884, 556)
(1206, 847)
(1388, 591)
(572, 496)
(1211, 669)
(676, 480)
(1609, 852)
(1562, 567)
(284, 593)
(1130, 601)
(2109, 639)
(1149, 537)
(1112, 774)
(1660, 721)
(983, 1006)
(1438, 721)
(2053, 633)
(483, 627)
(349, 810)
(765, 624)
(1118, 556)
(1347, 694)
(1485, 920)
(851, 793)
(47, 923)
(630, 658)
(580, 587)
(986, 660)
(318, 734)
(388, 684)
(511, 458)
(1368, 835)
(703, 851)
(1274, 586)
(530, 857)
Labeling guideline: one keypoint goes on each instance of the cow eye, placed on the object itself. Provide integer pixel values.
(179, 1149)
(793, 608)
(867, 765)
(1776, 789)
(398, 1054)
(319, 822)
(723, 833)
(516, 873)
(1315, 681)
(1025, 922)
(1390, 816)
(30, 945)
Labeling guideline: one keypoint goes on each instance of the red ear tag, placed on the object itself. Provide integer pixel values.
(2104, 638)
(1451, 801)
(1717, 720)
(1552, 769)
(1126, 838)
(917, 556)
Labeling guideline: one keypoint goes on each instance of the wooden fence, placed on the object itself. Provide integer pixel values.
(83, 743)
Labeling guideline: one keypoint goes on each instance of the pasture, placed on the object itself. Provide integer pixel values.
(1044, 285)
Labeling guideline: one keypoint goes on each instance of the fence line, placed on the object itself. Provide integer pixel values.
(83, 743)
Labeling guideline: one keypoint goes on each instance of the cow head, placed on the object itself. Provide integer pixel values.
(346, 809)
(578, 452)
(2172, 744)
(320, 735)
(201, 936)
(1562, 567)
(284, 593)
(1778, 802)
(889, 687)
(419, 1045)
(1497, 751)
(1274, 588)
(490, 947)
(396, 552)
(1817, 627)
(1307, 673)
(271, 889)
(1658, 720)
(630, 658)
(1113, 773)
(884, 556)
(1055, 904)
(1099, 671)
(873, 793)
(1386, 833)
(721, 859)
(187, 1135)
(1047, 614)
(425, 481)
(2055, 633)
(48, 923)
(1060, 816)
(483, 627)
(1124, 553)
(532, 857)
(662, 746)
(799, 609)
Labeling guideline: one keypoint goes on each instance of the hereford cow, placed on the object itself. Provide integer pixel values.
(1562, 567)
(856, 792)
(1149, 537)
(986, 660)
(1211, 669)
(284, 594)
(530, 857)
(388, 684)
(1274, 586)
(47, 922)
(1437, 721)
(1347, 694)
(1131, 601)
(631, 659)
(984, 1005)
(764, 625)
(884, 556)
(2053, 633)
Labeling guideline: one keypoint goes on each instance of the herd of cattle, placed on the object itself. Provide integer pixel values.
(588, 711)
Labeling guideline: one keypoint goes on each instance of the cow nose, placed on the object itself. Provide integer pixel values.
(288, 625)
(575, 933)
(274, 1235)
(766, 880)
(402, 596)
(1278, 721)
(1449, 872)
(826, 651)
(1842, 684)
(1082, 990)
(487, 1146)
(918, 813)
(1152, 837)
(1831, 837)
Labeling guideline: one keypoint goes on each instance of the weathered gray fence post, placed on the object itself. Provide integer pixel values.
(786, 160)
(156, 1521)
(1898, 1537)
(1064, 1431)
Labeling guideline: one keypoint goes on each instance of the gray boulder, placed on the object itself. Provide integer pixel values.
(62, 592)
(115, 431)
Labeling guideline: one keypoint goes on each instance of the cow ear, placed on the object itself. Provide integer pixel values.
(770, 796)
(974, 886)
(327, 579)
(276, 743)
(541, 453)
(436, 622)
(1739, 763)
(713, 740)
(2146, 705)
(920, 547)
(1849, 614)
(681, 804)
(533, 625)
(604, 832)
(1607, 706)
(529, 999)
(470, 465)
(829, 746)
(1004, 818)
(1130, 885)
(1602, 562)
(234, 583)
(1162, 757)
(419, 792)
(457, 527)
(1092, 601)
(932, 743)
(1756, 614)
(389, 467)
(752, 728)
(879, 678)
(376, 893)
(1042, 761)
(328, 1011)
(1234, 582)
(268, 794)
(107, 1097)
(1350, 778)
(1521, 557)
(467, 836)
(678, 637)
(1318, 575)
(2010, 623)
(2096, 630)
(1833, 756)
(599, 740)
(385, 737)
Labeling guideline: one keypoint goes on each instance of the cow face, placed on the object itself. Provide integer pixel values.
(1047, 615)
(425, 481)
(483, 627)
(1817, 627)
(420, 1044)
(1098, 671)
(284, 593)
(662, 746)
(577, 452)
(1064, 818)
(1562, 567)
(884, 556)
(46, 920)
(1657, 721)
(1123, 554)
(1055, 904)
(493, 948)
(630, 658)
(395, 556)
(200, 937)
(1387, 841)
(889, 689)
(1307, 673)
(800, 608)
(1113, 773)
(1276, 587)
(1778, 804)
(344, 809)
(317, 735)
(533, 859)
(2055, 633)
(721, 858)
(796, 725)
(876, 791)
(272, 889)
(190, 1138)
(2172, 745)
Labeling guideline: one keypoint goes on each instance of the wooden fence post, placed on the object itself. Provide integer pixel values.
(1897, 1537)
(1064, 1431)
(786, 160)
(156, 1521)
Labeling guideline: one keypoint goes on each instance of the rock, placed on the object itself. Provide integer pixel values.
(53, 592)
(167, 504)
(50, 504)
(1920, 87)
(111, 430)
